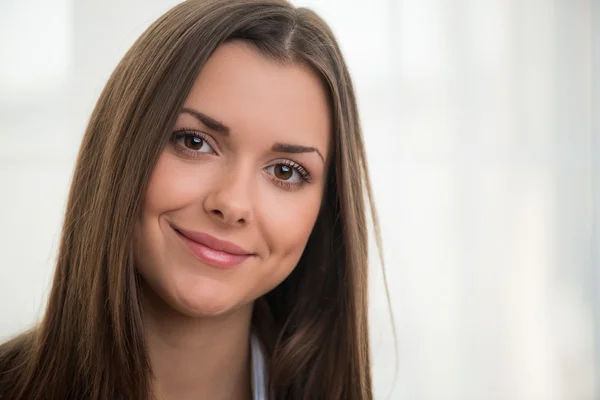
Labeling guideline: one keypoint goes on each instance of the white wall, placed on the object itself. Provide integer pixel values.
(478, 122)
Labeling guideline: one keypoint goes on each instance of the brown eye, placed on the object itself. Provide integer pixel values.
(288, 175)
(193, 142)
(283, 172)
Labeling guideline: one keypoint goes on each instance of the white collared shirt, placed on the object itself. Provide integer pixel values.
(259, 372)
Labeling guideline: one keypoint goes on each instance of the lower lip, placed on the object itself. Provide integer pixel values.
(213, 257)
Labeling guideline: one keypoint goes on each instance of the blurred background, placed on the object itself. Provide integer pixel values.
(481, 119)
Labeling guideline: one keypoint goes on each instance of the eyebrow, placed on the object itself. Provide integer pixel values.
(295, 149)
(220, 127)
(211, 123)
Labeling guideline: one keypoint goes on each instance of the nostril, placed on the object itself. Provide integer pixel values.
(230, 216)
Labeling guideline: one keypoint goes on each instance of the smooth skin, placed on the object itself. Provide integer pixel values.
(246, 163)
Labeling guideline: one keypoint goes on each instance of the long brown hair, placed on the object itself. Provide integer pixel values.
(90, 343)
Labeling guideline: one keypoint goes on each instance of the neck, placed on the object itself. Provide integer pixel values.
(196, 358)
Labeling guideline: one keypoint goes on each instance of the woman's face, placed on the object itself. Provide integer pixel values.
(236, 192)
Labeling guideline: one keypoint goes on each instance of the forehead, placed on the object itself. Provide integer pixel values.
(263, 99)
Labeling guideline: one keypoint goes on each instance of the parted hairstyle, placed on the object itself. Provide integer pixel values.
(90, 342)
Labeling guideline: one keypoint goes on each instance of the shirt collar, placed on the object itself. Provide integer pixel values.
(259, 372)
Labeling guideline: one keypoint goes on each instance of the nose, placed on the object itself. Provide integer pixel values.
(229, 202)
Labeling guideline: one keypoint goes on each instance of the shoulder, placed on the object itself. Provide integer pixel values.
(13, 356)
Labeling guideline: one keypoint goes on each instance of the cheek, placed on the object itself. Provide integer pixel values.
(174, 185)
(170, 188)
(287, 226)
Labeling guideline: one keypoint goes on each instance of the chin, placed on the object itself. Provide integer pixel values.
(204, 308)
(205, 300)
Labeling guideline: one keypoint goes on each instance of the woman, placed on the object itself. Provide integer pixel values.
(215, 240)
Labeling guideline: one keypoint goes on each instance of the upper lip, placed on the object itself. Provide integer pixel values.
(212, 242)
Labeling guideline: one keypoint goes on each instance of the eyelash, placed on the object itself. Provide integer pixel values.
(189, 133)
(304, 174)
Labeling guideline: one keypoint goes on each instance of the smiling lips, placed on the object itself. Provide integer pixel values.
(211, 250)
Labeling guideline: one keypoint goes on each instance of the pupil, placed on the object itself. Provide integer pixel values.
(283, 172)
(193, 142)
